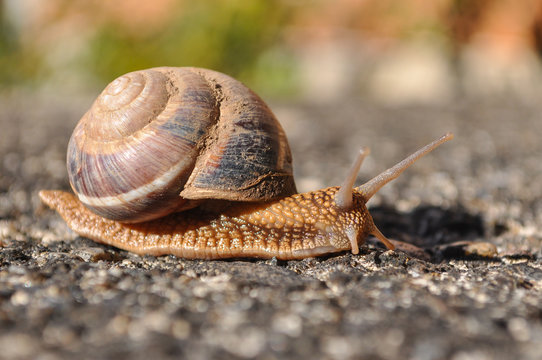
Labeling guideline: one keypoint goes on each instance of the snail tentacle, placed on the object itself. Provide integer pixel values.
(372, 186)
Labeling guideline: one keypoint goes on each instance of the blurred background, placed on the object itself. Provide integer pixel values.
(388, 74)
(390, 51)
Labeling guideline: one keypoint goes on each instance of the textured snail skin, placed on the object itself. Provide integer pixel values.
(295, 227)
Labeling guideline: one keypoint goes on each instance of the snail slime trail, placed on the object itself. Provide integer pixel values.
(141, 183)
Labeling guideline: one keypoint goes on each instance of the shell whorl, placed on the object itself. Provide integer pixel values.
(156, 138)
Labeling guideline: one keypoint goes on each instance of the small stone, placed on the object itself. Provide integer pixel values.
(338, 347)
(57, 335)
(483, 249)
(157, 321)
(245, 343)
(461, 249)
(20, 298)
(18, 346)
(519, 329)
(181, 329)
(472, 355)
(92, 254)
(7, 229)
(288, 324)
(119, 325)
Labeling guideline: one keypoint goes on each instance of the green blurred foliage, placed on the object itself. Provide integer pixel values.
(17, 63)
(82, 45)
(240, 38)
(234, 37)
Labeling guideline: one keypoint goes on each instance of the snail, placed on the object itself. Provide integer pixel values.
(231, 195)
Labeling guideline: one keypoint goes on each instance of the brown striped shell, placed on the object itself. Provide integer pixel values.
(157, 139)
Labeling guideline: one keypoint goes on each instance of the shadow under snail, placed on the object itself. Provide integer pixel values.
(164, 140)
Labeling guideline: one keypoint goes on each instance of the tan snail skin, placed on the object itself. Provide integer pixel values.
(190, 162)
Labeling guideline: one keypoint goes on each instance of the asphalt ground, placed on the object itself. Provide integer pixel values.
(472, 208)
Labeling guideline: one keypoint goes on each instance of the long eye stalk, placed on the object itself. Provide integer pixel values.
(372, 186)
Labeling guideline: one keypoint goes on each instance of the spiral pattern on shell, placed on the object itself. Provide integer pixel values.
(156, 139)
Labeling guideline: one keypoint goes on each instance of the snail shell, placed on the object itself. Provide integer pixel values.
(159, 140)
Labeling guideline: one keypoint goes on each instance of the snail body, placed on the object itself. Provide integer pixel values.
(258, 213)
(294, 227)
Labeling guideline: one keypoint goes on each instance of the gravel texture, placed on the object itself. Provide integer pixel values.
(471, 289)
